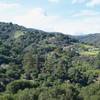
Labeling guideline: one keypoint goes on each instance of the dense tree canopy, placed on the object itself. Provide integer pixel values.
(36, 65)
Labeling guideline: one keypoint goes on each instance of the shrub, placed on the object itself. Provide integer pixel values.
(14, 86)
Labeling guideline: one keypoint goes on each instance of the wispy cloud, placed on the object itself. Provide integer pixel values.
(37, 18)
(93, 3)
(86, 13)
(54, 1)
(84, 21)
(8, 5)
(88, 3)
(78, 1)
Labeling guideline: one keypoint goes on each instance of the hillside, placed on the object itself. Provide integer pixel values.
(14, 33)
(18, 40)
(90, 39)
(39, 65)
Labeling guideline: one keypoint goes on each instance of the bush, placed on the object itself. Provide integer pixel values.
(14, 86)
(6, 97)
(27, 94)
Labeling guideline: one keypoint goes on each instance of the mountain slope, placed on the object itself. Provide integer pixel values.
(16, 40)
(9, 31)
(38, 65)
(90, 39)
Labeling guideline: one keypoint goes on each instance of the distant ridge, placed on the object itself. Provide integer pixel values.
(93, 39)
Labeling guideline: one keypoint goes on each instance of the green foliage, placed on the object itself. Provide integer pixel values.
(36, 65)
(28, 62)
(98, 61)
(14, 86)
(6, 97)
(18, 34)
(91, 92)
(27, 94)
(93, 39)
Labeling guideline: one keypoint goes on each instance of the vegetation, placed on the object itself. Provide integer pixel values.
(92, 39)
(36, 65)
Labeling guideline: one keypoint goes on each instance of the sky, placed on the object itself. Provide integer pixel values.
(75, 17)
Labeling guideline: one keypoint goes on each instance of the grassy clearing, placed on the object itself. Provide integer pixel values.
(89, 53)
(18, 34)
(86, 46)
(88, 50)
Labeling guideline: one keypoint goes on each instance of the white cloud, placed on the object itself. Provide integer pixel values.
(8, 6)
(88, 3)
(92, 3)
(78, 1)
(86, 25)
(87, 13)
(37, 18)
(54, 1)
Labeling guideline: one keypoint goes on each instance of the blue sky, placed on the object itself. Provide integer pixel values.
(67, 16)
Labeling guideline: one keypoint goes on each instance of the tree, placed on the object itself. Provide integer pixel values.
(14, 86)
(98, 60)
(28, 62)
(27, 94)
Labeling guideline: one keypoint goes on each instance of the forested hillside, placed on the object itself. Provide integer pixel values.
(38, 65)
(93, 39)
